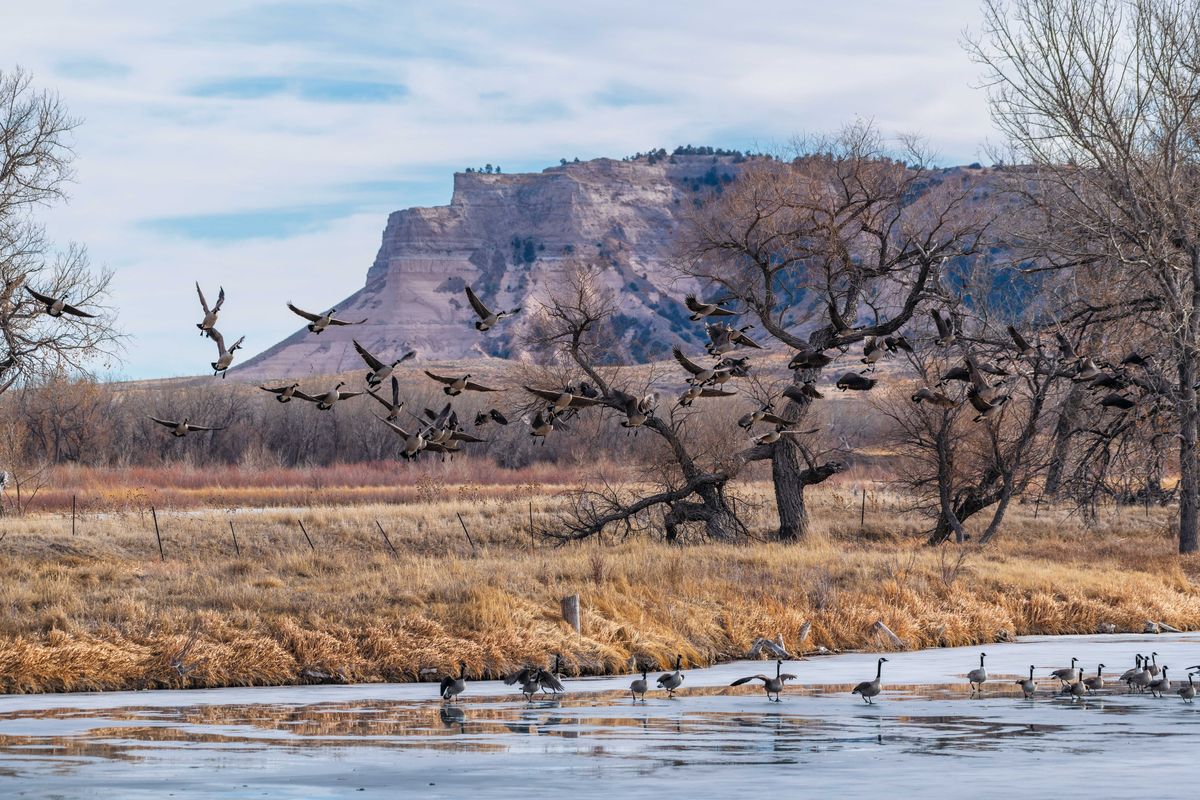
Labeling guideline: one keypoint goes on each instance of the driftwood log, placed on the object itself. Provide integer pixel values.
(886, 631)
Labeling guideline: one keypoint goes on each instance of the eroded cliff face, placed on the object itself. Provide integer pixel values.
(509, 237)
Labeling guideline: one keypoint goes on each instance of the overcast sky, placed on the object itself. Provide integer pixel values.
(260, 145)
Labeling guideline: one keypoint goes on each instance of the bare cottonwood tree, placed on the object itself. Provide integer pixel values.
(1102, 98)
(35, 166)
(846, 241)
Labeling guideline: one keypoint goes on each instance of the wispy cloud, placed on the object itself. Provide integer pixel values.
(262, 143)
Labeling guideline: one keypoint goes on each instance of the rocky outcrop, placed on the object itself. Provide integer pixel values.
(507, 236)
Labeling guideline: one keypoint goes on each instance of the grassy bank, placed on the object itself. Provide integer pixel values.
(101, 611)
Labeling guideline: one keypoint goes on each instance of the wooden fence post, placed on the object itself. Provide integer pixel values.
(862, 514)
(570, 611)
(72, 515)
(467, 532)
(233, 533)
(386, 539)
(306, 536)
(157, 535)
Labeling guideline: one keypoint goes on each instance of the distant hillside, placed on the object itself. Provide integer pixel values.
(508, 236)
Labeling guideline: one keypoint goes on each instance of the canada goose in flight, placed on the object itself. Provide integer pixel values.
(282, 393)
(724, 338)
(810, 359)
(897, 342)
(224, 357)
(772, 686)
(868, 689)
(379, 370)
(1118, 401)
(183, 428)
(543, 424)
(695, 390)
(927, 395)
(771, 437)
(701, 310)
(957, 373)
(1028, 687)
(326, 400)
(395, 406)
(536, 679)
(57, 307)
(210, 314)
(1095, 682)
(414, 442)
(761, 414)
(987, 409)
(639, 686)
(672, 680)
(637, 410)
(836, 321)
(1086, 370)
(1188, 693)
(1066, 350)
(492, 415)
(487, 318)
(855, 382)
(700, 375)
(978, 677)
(873, 351)
(549, 679)
(1160, 686)
(1135, 359)
(945, 328)
(457, 385)
(319, 322)
(979, 382)
(803, 393)
(1024, 348)
(1108, 381)
(560, 400)
(1068, 674)
(453, 687)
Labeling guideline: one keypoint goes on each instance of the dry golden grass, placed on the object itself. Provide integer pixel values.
(99, 611)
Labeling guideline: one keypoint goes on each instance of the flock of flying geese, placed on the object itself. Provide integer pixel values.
(1145, 676)
(441, 431)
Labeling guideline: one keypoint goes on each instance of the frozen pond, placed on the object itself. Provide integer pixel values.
(924, 736)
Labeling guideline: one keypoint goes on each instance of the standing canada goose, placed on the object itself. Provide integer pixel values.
(701, 310)
(224, 357)
(210, 314)
(561, 400)
(1141, 680)
(395, 406)
(57, 307)
(379, 370)
(492, 415)
(672, 680)
(774, 436)
(639, 686)
(699, 374)
(1068, 674)
(326, 400)
(453, 687)
(855, 382)
(696, 390)
(772, 686)
(1152, 667)
(1028, 687)
(1128, 674)
(282, 393)
(457, 385)
(1076, 689)
(945, 328)
(319, 322)
(1023, 347)
(414, 442)
(527, 677)
(1096, 681)
(927, 395)
(810, 359)
(1188, 693)
(487, 318)
(868, 689)
(978, 677)
(183, 428)
(1160, 686)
